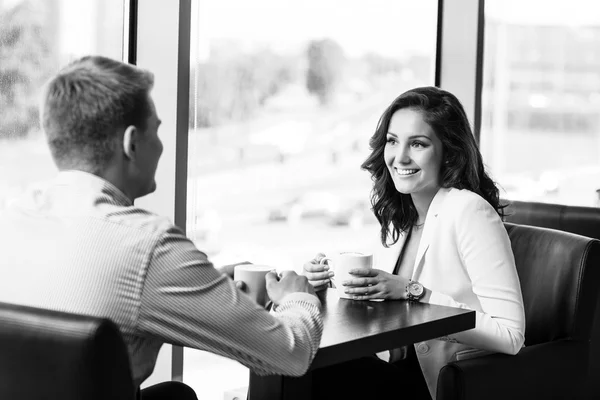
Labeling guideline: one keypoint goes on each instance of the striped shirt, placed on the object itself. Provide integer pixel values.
(79, 245)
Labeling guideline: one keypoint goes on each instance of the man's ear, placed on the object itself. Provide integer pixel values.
(130, 138)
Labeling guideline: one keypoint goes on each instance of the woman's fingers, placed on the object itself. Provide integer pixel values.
(363, 297)
(361, 290)
(318, 274)
(315, 276)
(319, 283)
(364, 272)
(319, 257)
(310, 267)
(360, 282)
(363, 293)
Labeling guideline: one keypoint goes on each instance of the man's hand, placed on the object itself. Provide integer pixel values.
(286, 283)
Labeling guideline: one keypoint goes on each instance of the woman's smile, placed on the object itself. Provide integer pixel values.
(405, 172)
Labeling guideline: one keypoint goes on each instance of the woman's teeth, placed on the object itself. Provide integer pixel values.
(406, 171)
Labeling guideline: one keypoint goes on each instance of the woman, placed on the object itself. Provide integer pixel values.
(443, 241)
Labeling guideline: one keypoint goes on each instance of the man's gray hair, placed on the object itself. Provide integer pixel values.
(86, 104)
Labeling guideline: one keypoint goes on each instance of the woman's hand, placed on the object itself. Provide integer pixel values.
(318, 275)
(375, 284)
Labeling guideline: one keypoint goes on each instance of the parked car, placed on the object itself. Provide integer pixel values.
(356, 215)
(333, 209)
(314, 204)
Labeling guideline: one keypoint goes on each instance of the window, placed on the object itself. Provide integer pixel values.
(284, 97)
(540, 133)
(37, 37)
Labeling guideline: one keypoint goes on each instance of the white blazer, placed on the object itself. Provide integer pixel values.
(466, 260)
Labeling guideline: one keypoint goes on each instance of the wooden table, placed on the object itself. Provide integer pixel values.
(354, 329)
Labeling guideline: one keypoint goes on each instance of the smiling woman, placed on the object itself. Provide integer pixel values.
(442, 242)
(447, 151)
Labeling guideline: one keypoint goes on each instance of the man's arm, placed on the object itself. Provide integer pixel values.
(186, 301)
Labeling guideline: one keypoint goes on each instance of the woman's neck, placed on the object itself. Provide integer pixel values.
(422, 201)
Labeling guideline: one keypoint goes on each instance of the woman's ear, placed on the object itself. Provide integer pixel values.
(130, 137)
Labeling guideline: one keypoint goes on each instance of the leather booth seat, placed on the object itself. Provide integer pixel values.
(55, 355)
(580, 220)
(560, 281)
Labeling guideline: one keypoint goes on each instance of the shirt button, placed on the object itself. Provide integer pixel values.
(422, 348)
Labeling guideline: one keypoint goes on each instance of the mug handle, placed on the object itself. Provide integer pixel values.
(322, 262)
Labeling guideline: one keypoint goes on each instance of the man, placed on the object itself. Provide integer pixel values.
(80, 244)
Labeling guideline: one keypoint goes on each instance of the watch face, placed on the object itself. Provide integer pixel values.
(415, 289)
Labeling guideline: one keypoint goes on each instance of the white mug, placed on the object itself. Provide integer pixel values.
(341, 265)
(253, 277)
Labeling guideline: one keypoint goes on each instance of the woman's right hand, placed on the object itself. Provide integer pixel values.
(318, 274)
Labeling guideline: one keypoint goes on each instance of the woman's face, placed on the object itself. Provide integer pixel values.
(413, 154)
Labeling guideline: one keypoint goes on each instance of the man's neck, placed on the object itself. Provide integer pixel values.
(117, 179)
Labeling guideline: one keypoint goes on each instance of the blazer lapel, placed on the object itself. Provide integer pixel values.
(428, 230)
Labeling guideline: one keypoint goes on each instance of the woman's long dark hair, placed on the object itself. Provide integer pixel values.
(462, 164)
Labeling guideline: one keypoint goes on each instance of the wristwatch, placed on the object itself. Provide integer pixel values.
(414, 291)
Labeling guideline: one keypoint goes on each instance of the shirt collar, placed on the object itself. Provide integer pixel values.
(86, 181)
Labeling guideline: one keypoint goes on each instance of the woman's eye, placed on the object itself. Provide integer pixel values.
(419, 144)
(391, 140)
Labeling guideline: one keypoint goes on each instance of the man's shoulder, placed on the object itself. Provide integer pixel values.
(138, 218)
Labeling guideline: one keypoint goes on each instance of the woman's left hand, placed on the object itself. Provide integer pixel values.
(375, 284)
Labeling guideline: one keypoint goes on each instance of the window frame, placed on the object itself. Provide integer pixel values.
(458, 68)
(166, 53)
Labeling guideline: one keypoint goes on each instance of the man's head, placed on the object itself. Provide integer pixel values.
(98, 117)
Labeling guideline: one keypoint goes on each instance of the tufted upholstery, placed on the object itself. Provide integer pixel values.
(560, 280)
(54, 355)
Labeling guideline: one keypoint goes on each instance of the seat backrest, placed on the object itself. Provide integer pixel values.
(55, 355)
(560, 281)
(580, 220)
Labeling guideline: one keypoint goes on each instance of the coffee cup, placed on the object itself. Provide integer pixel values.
(253, 277)
(342, 264)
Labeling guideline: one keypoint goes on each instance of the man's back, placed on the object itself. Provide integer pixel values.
(79, 245)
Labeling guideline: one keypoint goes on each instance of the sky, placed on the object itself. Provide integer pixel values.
(393, 28)
(389, 27)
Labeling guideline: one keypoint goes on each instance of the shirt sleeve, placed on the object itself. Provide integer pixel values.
(485, 249)
(185, 301)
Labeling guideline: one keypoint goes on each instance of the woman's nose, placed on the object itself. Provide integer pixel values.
(402, 155)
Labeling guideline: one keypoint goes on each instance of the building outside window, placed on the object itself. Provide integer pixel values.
(540, 132)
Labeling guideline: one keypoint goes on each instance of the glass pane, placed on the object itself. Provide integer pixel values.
(37, 37)
(284, 97)
(541, 99)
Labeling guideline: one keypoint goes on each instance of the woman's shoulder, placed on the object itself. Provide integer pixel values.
(466, 200)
